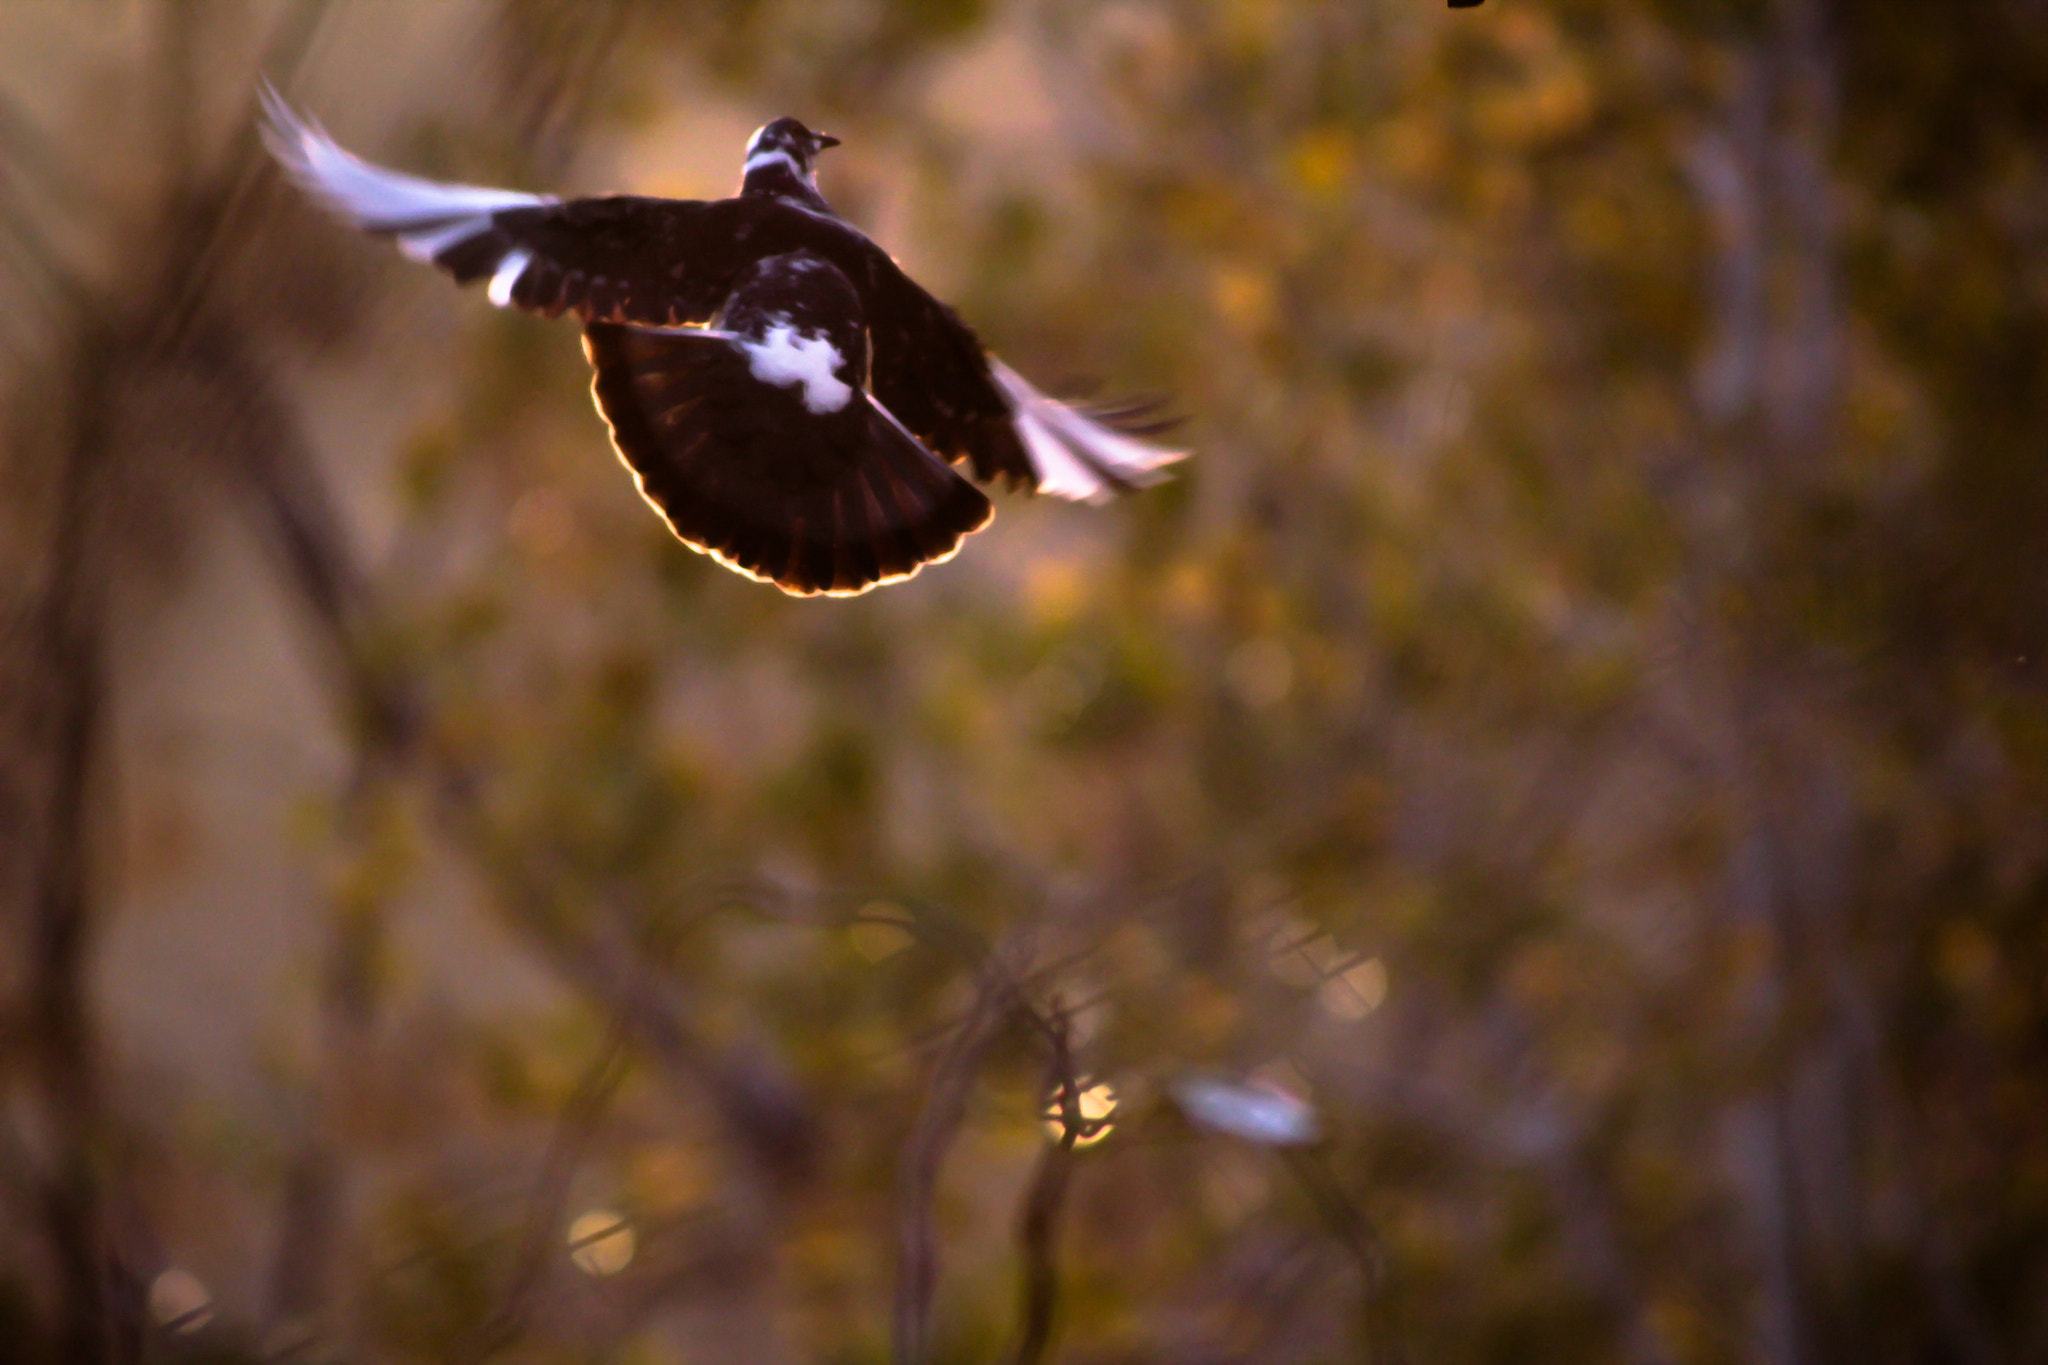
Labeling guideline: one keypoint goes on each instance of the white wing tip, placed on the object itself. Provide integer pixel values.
(1074, 455)
(285, 135)
(507, 277)
(370, 196)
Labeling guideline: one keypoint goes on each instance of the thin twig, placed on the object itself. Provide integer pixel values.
(938, 1124)
(1044, 1200)
(1361, 1241)
(573, 1128)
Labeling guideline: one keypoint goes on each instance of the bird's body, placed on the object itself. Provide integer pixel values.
(786, 396)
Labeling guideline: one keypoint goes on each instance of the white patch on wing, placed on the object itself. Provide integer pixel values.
(786, 357)
(425, 244)
(509, 271)
(1074, 455)
(428, 216)
(1059, 473)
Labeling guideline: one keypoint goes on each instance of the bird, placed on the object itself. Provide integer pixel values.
(787, 398)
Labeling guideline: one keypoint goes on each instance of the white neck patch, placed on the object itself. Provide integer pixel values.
(787, 358)
(762, 160)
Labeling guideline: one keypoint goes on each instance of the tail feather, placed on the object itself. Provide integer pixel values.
(743, 472)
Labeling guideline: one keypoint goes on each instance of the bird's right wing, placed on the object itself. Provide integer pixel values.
(623, 258)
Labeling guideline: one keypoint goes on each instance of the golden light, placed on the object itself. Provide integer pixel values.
(601, 1242)
(880, 931)
(1356, 991)
(1096, 1103)
(1301, 955)
(180, 1302)
(668, 1176)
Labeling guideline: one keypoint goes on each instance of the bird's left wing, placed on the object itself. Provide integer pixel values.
(932, 372)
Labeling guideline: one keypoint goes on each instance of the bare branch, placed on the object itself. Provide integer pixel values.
(63, 715)
(938, 1124)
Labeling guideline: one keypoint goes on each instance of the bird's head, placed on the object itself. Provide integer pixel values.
(787, 140)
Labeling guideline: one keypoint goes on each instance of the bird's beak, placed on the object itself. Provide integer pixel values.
(824, 140)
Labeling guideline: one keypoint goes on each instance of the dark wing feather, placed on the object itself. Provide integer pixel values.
(651, 262)
(932, 372)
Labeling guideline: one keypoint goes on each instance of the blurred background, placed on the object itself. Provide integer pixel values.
(1563, 772)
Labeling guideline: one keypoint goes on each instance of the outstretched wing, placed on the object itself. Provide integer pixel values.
(655, 262)
(935, 375)
(671, 262)
(747, 472)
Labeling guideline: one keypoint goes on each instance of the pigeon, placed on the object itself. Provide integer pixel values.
(788, 399)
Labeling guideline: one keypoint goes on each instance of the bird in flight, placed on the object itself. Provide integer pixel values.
(787, 398)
